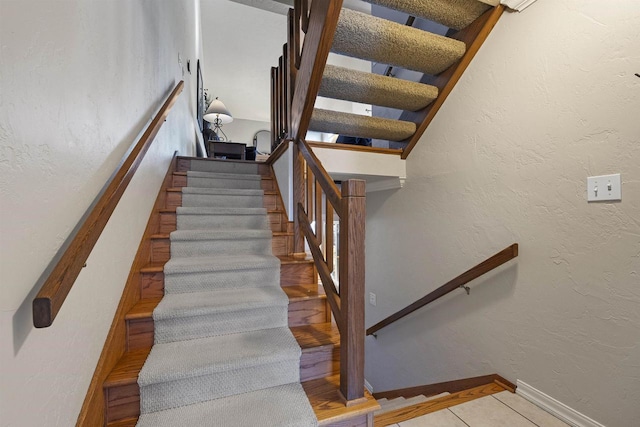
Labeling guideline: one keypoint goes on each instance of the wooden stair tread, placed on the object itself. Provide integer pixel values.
(327, 403)
(303, 292)
(153, 267)
(285, 259)
(143, 309)
(173, 210)
(407, 413)
(127, 369)
(316, 335)
(129, 422)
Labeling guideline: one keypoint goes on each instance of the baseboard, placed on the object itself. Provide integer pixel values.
(368, 386)
(551, 405)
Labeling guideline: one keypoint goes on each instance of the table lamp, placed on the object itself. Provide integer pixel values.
(218, 114)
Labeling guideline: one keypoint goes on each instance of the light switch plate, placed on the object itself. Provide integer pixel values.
(604, 187)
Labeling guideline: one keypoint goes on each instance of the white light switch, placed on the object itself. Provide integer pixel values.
(604, 187)
(372, 298)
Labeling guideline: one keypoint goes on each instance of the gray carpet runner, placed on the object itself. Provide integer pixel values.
(378, 40)
(223, 354)
(370, 88)
(455, 14)
(363, 126)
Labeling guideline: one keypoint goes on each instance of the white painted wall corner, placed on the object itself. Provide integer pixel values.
(555, 407)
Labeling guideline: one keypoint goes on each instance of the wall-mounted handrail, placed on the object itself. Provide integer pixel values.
(473, 273)
(58, 283)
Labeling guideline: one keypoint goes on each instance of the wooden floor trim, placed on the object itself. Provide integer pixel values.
(447, 386)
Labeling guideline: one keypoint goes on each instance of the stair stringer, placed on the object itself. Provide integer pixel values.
(93, 409)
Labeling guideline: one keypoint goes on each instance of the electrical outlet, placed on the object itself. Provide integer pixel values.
(603, 188)
(372, 298)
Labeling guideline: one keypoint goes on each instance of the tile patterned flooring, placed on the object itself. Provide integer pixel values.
(503, 409)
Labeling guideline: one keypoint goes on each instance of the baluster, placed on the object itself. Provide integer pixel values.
(318, 190)
(274, 107)
(329, 235)
(298, 199)
(310, 181)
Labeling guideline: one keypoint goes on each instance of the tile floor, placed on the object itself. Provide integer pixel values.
(503, 409)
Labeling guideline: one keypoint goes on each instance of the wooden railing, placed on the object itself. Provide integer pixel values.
(346, 298)
(296, 81)
(484, 267)
(295, 84)
(71, 259)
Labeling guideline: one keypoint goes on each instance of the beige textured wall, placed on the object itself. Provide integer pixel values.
(79, 82)
(550, 99)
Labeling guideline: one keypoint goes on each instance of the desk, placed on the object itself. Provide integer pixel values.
(230, 150)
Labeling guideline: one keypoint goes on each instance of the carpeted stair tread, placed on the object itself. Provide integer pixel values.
(223, 180)
(193, 358)
(378, 40)
(360, 126)
(209, 210)
(292, 409)
(224, 166)
(206, 264)
(238, 234)
(202, 217)
(222, 191)
(218, 301)
(221, 271)
(456, 14)
(218, 175)
(369, 88)
(188, 243)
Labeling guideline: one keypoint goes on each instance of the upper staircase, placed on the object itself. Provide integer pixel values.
(441, 59)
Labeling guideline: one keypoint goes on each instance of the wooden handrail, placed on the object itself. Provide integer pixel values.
(294, 87)
(58, 283)
(485, 266)
(323, 21)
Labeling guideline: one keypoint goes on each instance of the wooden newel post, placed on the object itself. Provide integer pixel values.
(352, 226)
(298, 198)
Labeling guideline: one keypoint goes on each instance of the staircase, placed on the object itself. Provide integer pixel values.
(229, 327)
(441, 60)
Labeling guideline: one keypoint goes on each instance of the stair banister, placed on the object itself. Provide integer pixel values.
(72, 257)
(347, 300)
(473, 273)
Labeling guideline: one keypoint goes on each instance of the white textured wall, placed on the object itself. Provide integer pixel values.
(241, 130)
(79, 81)
(241, 44)
(550, 99)
(283, 169)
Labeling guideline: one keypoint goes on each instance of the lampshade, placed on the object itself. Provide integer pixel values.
(217, 111)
